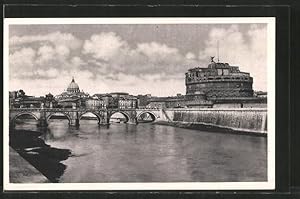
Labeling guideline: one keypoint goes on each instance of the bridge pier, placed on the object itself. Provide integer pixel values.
(132, 121)
(104, 122)
(74, 119)
(42, 123)
(74, 122)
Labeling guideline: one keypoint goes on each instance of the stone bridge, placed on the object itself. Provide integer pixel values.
(42, 115)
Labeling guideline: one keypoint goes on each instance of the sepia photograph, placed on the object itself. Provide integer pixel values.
(139, 103)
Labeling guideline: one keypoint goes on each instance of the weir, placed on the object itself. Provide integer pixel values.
(240, 119)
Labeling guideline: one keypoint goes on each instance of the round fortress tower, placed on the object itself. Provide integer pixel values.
(218, 80)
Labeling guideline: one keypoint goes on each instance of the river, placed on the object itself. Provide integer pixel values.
(154, 153)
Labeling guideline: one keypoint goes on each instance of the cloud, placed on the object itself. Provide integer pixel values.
(190, 55)
(77, 61)
(109, 49)
(231, 44)
(56, 38)
(46, 74)
(45, 53)
(21, 61)
(62, 50)
(133, 84)
(156, 51)
(106, 62)
(245, 49)
(101, 84)
(44, 62)
(104, 46)
(105, 54)
(258, 56)
(37, 57)
(56, 85)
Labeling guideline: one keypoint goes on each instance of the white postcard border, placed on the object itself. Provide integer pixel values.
(268, 185)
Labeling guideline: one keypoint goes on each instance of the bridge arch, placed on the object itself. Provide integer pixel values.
(126, 115)
(97, 115)
(24, 113)
(52, 114)
(152, 115)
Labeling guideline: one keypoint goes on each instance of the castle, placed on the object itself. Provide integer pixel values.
(218, 85)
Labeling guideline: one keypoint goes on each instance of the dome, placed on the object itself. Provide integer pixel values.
(73, 87)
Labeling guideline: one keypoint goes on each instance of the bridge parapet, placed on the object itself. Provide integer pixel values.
(81, 109)
(55, 109)
(74, 115)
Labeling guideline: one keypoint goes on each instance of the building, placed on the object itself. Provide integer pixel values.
(15, 97)
(179, 101)
(18, 99)
(218, 80)
(220, 85)
(261, 94)
(122, 100)
(115, 97)
(106, 98)
(143, 100)
(29, 102)
(117, 100)
(72, 97)
(12, 97)
(119, 94)
(127, 102)
(95, 103)
(157, 103)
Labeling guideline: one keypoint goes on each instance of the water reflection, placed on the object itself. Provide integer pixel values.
(154, 153)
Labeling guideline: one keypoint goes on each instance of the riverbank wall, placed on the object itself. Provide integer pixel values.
(247, 120)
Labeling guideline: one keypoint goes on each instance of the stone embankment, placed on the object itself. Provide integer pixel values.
(245, 120)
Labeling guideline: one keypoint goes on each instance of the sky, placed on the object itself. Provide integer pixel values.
(133, 58)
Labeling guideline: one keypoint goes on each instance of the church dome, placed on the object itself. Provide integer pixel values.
(73, 87)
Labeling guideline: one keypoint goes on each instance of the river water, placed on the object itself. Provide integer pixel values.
(154, 153)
